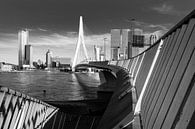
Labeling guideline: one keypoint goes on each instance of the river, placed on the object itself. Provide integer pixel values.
(59, 86)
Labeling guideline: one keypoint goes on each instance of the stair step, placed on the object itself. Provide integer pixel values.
(63, 120)
(85, 122)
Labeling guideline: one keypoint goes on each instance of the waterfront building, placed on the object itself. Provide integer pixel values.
(5, 67)
(97, 51)
(119, 43)
(153, 39)
(49, 59)
(39, 62)
(35, 64)
(115, 43)
(115, 37)
(23, 38)
(124, 43)
(115, 53)
(28, 55)
(136, 41)
(107, 44)
(61, 61)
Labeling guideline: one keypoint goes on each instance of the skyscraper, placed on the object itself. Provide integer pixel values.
(97, 51)
(48, 59)
(135, 42)
(23, 37)
(132, 51)
(115, 37)
(124, 43)
(115, 43)
(28, 55)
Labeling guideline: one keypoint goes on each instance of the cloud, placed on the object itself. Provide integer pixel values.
(41, 29)
(59, 40)
(152, 27)
(158, 33)
(167, 9)
(8, 40)
(164, 27)
(56, 40)
(7, 35)
(72, 33)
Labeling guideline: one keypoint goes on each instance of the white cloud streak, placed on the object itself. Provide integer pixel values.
(41, 29)
(167, 9)
(59, 40)
(156, 27)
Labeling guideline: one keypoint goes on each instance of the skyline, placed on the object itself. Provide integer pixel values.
(53, 24)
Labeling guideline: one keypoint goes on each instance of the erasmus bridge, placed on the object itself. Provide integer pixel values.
(80, 42)
(153, 90)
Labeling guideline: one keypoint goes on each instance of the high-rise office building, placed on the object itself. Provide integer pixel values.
(28, 55)
(48, 59)
(97, 51)
(124, 43)
(135, 42)
(115, 53)
(115, 43)
(119, 43)
(115, 37)
(23, 37)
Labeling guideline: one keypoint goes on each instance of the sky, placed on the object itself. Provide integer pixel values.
(53, 24)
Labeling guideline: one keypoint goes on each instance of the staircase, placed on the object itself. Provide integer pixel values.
(62, 120)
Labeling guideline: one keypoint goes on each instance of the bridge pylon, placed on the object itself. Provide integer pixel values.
(79, 42)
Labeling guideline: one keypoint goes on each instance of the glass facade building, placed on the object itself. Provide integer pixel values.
(23, 37)
(28, 55)
(48, 59)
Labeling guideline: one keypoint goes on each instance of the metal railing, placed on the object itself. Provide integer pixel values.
(19, 111)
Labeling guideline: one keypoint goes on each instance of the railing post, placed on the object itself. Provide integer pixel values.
(5, 107)
(10, 112)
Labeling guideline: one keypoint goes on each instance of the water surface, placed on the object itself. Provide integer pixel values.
(59, 86)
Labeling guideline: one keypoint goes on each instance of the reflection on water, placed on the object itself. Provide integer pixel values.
(58, 86)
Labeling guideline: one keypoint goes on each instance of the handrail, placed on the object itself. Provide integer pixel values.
(18, 110)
